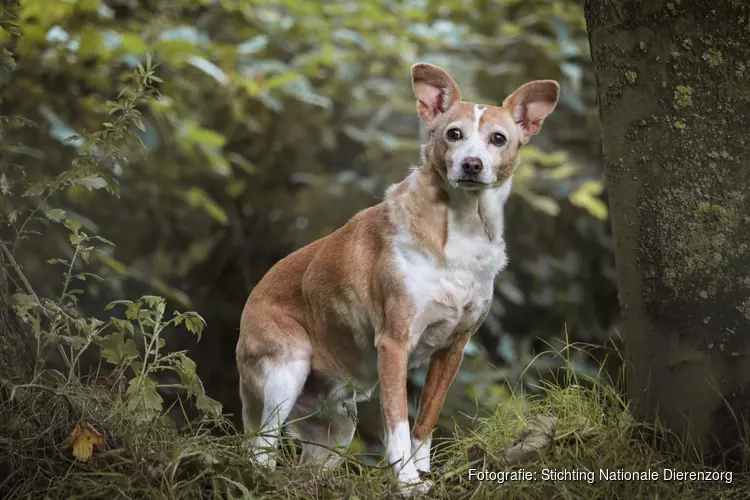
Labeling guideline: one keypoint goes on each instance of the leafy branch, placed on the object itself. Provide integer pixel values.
(59, 323)
(93, 168)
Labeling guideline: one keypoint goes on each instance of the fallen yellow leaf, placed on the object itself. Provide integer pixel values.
(83, 439)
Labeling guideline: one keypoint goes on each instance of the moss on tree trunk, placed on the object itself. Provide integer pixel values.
(674, 96)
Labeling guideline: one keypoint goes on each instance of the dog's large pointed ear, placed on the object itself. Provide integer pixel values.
(531, 104)
(435, 91)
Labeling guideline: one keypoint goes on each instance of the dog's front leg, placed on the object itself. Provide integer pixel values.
(441, 371)
(393, 356)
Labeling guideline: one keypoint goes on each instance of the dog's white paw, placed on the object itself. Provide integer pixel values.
(411, 483)
(265, 460)
(421, 453)
(261, 457)
(420, 487)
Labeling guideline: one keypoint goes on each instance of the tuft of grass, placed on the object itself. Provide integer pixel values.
(208, 458)
(143, 459)
(597, 438)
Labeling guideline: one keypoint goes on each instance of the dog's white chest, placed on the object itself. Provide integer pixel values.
(448, 298)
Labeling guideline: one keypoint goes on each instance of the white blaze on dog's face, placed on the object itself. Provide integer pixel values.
(475, 146)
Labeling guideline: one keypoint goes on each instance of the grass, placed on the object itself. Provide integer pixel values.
(208, 459)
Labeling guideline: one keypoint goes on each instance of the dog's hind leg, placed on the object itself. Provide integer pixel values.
(281, 386)
(325, 434)
(273, 359)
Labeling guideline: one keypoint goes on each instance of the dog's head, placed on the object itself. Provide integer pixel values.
(474, 146)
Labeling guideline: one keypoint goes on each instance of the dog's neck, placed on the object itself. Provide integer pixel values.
(429, 209)
(478, 211)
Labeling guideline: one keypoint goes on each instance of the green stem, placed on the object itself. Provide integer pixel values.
(154, 339)
(26, 283)
(68, 275)
(23, 226)
(74, 363)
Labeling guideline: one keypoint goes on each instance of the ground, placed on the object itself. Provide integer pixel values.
(575, 426)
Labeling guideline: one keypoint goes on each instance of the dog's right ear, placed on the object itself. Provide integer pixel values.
(435, 90)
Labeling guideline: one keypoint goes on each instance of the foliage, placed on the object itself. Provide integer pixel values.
(56, 410)
(265, 125)
(58, 323)
(208, 458)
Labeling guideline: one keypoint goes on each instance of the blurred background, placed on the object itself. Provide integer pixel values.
(277, 121)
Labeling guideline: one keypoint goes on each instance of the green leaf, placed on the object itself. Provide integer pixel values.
(586, 197)
(132, 308)
(134, 43)
(4, 185)
(114, 264)
(116, 349)
(155, 302)
(197, 197)
(186, 369)
(35, 190)
(209, 68)
(593, 187)
(142, 395)
(22, 300)
(72, 224)
(77, 238)
(253, 45)
(90, 42)
(281, 80)
(544, 204)
(208, 405)
(193, 322)
(92, 182)
(76, 343)
(103, 240)
(84, 252)
(206, 137)
(81, 325)
(55, 214)
(123, 325)
(246, 495)
(84, 276)
(116, 302)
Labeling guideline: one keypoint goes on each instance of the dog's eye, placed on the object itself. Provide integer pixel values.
(498, 139)
(453, 134)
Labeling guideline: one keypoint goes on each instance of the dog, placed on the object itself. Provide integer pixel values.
(403, 282)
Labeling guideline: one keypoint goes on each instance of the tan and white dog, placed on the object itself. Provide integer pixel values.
(403, 282)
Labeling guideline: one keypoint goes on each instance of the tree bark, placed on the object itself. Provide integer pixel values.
(673, 83)
(16, 358)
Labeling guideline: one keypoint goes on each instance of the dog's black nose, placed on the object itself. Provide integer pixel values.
(472, 166)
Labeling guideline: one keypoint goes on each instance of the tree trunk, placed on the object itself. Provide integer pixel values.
(16, 358)
(674, 96)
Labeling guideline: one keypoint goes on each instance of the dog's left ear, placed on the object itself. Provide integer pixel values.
(531, 104)
(435, 90)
